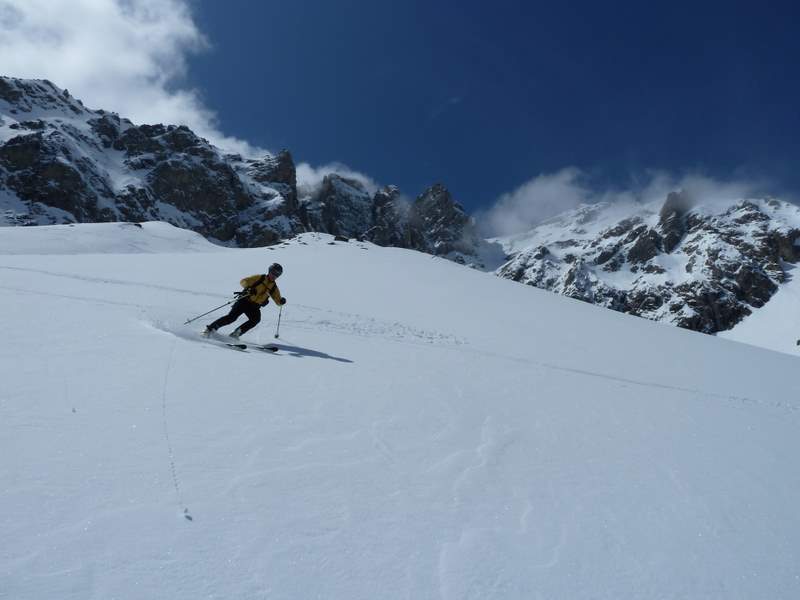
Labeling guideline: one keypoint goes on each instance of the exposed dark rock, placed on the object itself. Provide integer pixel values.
(715, 266)
(615, 263)
(607, 254)
(277, 171)
(22, 152)
(107, 128)
(541, 252)
(40, 169)
(783, 245)
(651, 268)
(140, 140)
(390, 219)
(212, 190)
(341, 206)
(643, 301)
(439, 225)
(647, 246)
(713, 309)
(10, 93)
(621, 228)
(671, 219)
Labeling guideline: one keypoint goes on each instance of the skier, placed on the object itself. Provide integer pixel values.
(256, 293)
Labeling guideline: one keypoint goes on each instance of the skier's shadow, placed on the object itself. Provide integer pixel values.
(301, 352)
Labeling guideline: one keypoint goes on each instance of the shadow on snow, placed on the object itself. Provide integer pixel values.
(300, 352)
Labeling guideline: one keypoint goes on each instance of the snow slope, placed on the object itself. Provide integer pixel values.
(776, 325)
(99, 238)
(426, 431)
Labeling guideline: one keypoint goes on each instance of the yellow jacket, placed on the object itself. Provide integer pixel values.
(261, 289)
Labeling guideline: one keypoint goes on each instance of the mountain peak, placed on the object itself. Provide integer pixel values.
(63, 163)
(703, 265)
(23, 96)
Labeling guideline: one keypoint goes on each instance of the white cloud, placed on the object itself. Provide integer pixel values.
(547, 195)
(128, 56)
(309, 178)
(535, 200)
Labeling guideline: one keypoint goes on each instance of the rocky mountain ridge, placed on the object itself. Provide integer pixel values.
(683, 260)
(699, 265)
(61, 162)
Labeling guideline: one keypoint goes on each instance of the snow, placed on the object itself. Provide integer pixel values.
(586, 222)
(177, 215)
(776, 325)
(426, 431)
(14, 211)
(10, 207)
(6, 132)
(102, 238)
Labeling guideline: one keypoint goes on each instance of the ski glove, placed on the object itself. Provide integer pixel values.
(242, 294)
(283, 301)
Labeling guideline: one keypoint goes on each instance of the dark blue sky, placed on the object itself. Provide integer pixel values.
(483, 96)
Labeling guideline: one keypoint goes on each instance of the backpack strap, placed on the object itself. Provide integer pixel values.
(257, 283)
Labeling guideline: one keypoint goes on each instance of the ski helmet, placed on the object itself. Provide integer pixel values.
(275, 270)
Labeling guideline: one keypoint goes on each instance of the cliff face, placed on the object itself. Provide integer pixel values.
(61, 162)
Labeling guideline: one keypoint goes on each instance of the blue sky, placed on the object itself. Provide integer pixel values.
(484, 96)
(522, 109)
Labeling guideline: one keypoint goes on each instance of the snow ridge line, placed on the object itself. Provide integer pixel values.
(172, 468)
(353, 324)
(674, 388)
(112, 281)
(647, 384)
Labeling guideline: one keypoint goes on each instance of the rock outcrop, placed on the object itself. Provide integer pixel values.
(61, 162)
(702, 267)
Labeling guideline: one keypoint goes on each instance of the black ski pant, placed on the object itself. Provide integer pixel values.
(242, 306)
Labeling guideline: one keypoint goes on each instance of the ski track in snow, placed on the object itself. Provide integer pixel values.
(460, 574)
(89, 299)
(353, 324)
(784, 406)
(111, 281)
(333, 321)
(392, 331)
(360, 325)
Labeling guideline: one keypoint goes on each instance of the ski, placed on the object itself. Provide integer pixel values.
(219, 340)
(266, 348)
(239, 345)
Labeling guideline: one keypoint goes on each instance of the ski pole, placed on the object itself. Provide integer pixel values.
(209, 312)
(278, 326)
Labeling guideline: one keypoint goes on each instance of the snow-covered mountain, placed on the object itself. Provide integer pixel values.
(61, 162)
(703, 265)
(698, 264)
(438, 443)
